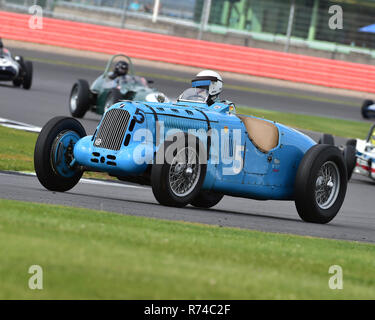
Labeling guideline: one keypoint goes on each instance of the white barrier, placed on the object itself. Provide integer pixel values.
(19, 125)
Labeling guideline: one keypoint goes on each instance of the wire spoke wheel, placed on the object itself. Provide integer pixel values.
(184, 172)
(177, 181)
(321, 183)
(327, 185)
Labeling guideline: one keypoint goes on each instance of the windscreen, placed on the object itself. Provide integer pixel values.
(4, 53)
(195, 95)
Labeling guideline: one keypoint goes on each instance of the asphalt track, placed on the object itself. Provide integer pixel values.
(53, 78)
(355, 221)
(54, 75)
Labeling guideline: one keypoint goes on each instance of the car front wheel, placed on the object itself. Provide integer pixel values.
(53, 154)
(320, 184)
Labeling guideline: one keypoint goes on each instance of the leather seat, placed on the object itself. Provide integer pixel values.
(263, 134)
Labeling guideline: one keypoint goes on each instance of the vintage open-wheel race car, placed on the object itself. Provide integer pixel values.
(108, 89)
(194, 153)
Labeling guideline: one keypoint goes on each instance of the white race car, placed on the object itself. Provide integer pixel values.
(15, 69)
(365, 155)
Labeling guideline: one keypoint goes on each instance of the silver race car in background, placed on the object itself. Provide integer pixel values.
(15, 69)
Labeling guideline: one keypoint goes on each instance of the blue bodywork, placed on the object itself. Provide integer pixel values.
(245, 172)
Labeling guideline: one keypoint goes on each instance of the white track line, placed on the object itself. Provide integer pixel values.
(19, 125)
(85, 181)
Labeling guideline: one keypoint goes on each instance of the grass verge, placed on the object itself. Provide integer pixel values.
(336, 127)
(87, 254)
(17, 152)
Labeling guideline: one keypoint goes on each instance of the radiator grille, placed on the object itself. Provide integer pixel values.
(112, 130)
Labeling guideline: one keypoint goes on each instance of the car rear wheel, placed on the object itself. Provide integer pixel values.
(17, 82)
(350, 157)
(53, 154)
(113, 97)
(207, 199)
(79, 101)
(28, 77)
(352, 142)
(327, 139)
(320, 184)
(177, 181)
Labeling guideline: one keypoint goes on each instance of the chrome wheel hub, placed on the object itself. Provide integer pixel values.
(184, 172)
(327, 185)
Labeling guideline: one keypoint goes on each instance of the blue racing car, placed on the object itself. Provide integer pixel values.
(195, 151)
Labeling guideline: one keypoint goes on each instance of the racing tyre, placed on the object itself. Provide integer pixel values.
(28, 75)
(327, 139)
(179, 171)
(79, 101)
(350, 159)
(113, 97)
(53, 154)
(364, 109)
(320, 184)
(352, 142)
(17, 82)
(207, 199)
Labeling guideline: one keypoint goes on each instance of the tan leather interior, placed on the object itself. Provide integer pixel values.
(263, 134)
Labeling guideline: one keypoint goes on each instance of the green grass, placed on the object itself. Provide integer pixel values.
(16, 149)
(88, 254)
(17, 152)
(337, 127)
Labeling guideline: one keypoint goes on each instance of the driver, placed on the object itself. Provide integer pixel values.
(211, 81)
(120, 69)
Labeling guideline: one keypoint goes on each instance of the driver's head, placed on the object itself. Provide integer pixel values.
(209, 80)
(121, 68)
